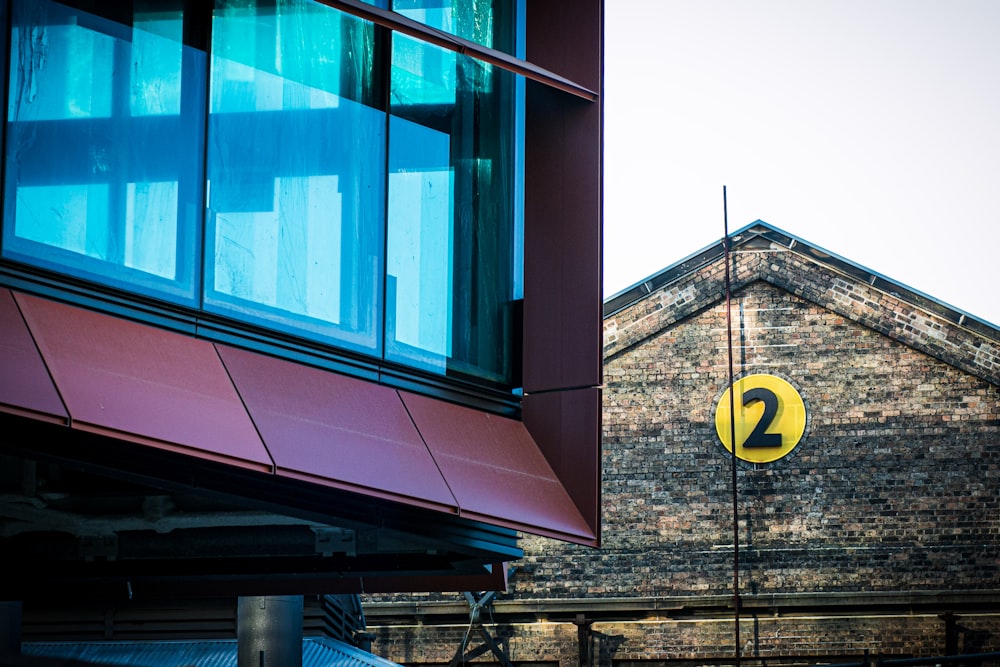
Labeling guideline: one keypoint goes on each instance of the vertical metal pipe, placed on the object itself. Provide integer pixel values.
(269, 631)
(583, 640)
(732, 436)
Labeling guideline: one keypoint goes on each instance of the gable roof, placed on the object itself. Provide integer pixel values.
(763, 252)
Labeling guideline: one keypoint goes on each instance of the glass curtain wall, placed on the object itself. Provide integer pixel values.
(296, 161)
(450, 214)
(303, 170)
(103, 158)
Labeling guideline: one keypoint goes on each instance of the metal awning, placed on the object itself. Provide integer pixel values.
(422, 487)
(161, 389)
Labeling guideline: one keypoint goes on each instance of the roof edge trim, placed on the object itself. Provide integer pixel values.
(760, 229)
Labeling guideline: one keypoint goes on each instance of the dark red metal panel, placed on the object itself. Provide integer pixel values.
(496, 470)
(141, 383)
(336, 430)
(563, 324)
(25, 384)
(563, 201)
(567, 38)
(562, 249)
(562, 254)
(567, 427)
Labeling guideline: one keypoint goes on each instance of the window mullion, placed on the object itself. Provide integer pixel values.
(407, 26)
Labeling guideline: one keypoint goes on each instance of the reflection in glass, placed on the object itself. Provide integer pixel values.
(451, 227)
(296, 152)
(421, 243)
(352, 186)
(103, 174)
(490, 23)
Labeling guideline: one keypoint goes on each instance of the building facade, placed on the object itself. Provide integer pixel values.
(868, 526)
(285, 295)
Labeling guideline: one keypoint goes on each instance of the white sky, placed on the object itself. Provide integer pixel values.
(870, 128)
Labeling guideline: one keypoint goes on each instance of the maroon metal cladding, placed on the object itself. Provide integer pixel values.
(562, 248)
(139, 383)
(25, 385)
(563, 324)
(563, 184)
(567, 426)
(338, 431)
(496, 470)
(142, 384)
(567, 38)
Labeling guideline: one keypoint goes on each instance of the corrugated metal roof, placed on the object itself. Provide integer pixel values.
(316, 652)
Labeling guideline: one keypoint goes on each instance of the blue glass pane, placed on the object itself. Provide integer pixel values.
(452, 246)
(104, 128)
(296, 155)
(491, 23)
(421, 244)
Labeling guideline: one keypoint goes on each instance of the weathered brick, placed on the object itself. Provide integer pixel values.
(885, 516)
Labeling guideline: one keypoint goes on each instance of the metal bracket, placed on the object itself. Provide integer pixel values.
(331, 541)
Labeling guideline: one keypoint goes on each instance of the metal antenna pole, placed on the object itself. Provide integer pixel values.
(732, 437)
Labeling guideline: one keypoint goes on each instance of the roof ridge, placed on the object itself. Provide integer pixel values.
(774, 235)
(816, 276)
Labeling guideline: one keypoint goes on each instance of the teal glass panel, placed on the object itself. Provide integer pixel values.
(104, 127)
(491, 23)
(452, 242)
(296, 169)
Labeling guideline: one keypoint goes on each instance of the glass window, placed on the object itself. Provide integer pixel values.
(103, 173)
(306, 172)
(451, 250)
(296, 164)
(490, 23)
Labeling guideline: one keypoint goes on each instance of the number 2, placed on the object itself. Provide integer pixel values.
(759, 436)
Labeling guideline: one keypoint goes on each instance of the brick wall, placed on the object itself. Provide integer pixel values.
(893, 494)
(894, 486)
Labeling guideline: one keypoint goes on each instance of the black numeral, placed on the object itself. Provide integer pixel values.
(759, 437)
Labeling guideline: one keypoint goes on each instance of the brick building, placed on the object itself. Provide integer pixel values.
(877, 532)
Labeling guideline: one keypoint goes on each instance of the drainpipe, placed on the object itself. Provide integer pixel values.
(269, 631)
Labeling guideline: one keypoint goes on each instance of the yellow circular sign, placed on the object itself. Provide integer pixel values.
(770, 418)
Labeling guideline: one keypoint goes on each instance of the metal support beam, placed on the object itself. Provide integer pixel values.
(476, 606)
